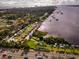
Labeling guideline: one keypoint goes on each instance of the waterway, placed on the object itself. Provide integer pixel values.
(63, 22)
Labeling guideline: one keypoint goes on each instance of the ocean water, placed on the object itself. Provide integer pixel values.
(63, 22)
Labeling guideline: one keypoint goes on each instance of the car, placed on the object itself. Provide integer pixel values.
(25, 57)
(39, 58)
(72, 58)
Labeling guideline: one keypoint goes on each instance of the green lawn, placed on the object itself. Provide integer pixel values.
(33, 44)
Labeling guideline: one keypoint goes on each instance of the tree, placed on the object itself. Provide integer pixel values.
(52, 40)
(39, 34)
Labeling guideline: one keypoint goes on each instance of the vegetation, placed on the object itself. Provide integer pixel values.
(39, 34)
(22, 25)
(52, 40)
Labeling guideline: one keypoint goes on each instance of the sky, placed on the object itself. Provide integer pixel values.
(31, 3)
(24, 3)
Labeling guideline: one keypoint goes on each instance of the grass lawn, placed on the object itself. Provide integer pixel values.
(33, 44)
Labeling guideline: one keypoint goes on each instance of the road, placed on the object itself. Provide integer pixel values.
(21, 33)
(29, 33)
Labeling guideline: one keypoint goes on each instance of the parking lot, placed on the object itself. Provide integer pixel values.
(20, 54)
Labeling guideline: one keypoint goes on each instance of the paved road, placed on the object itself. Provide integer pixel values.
(35, 26)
